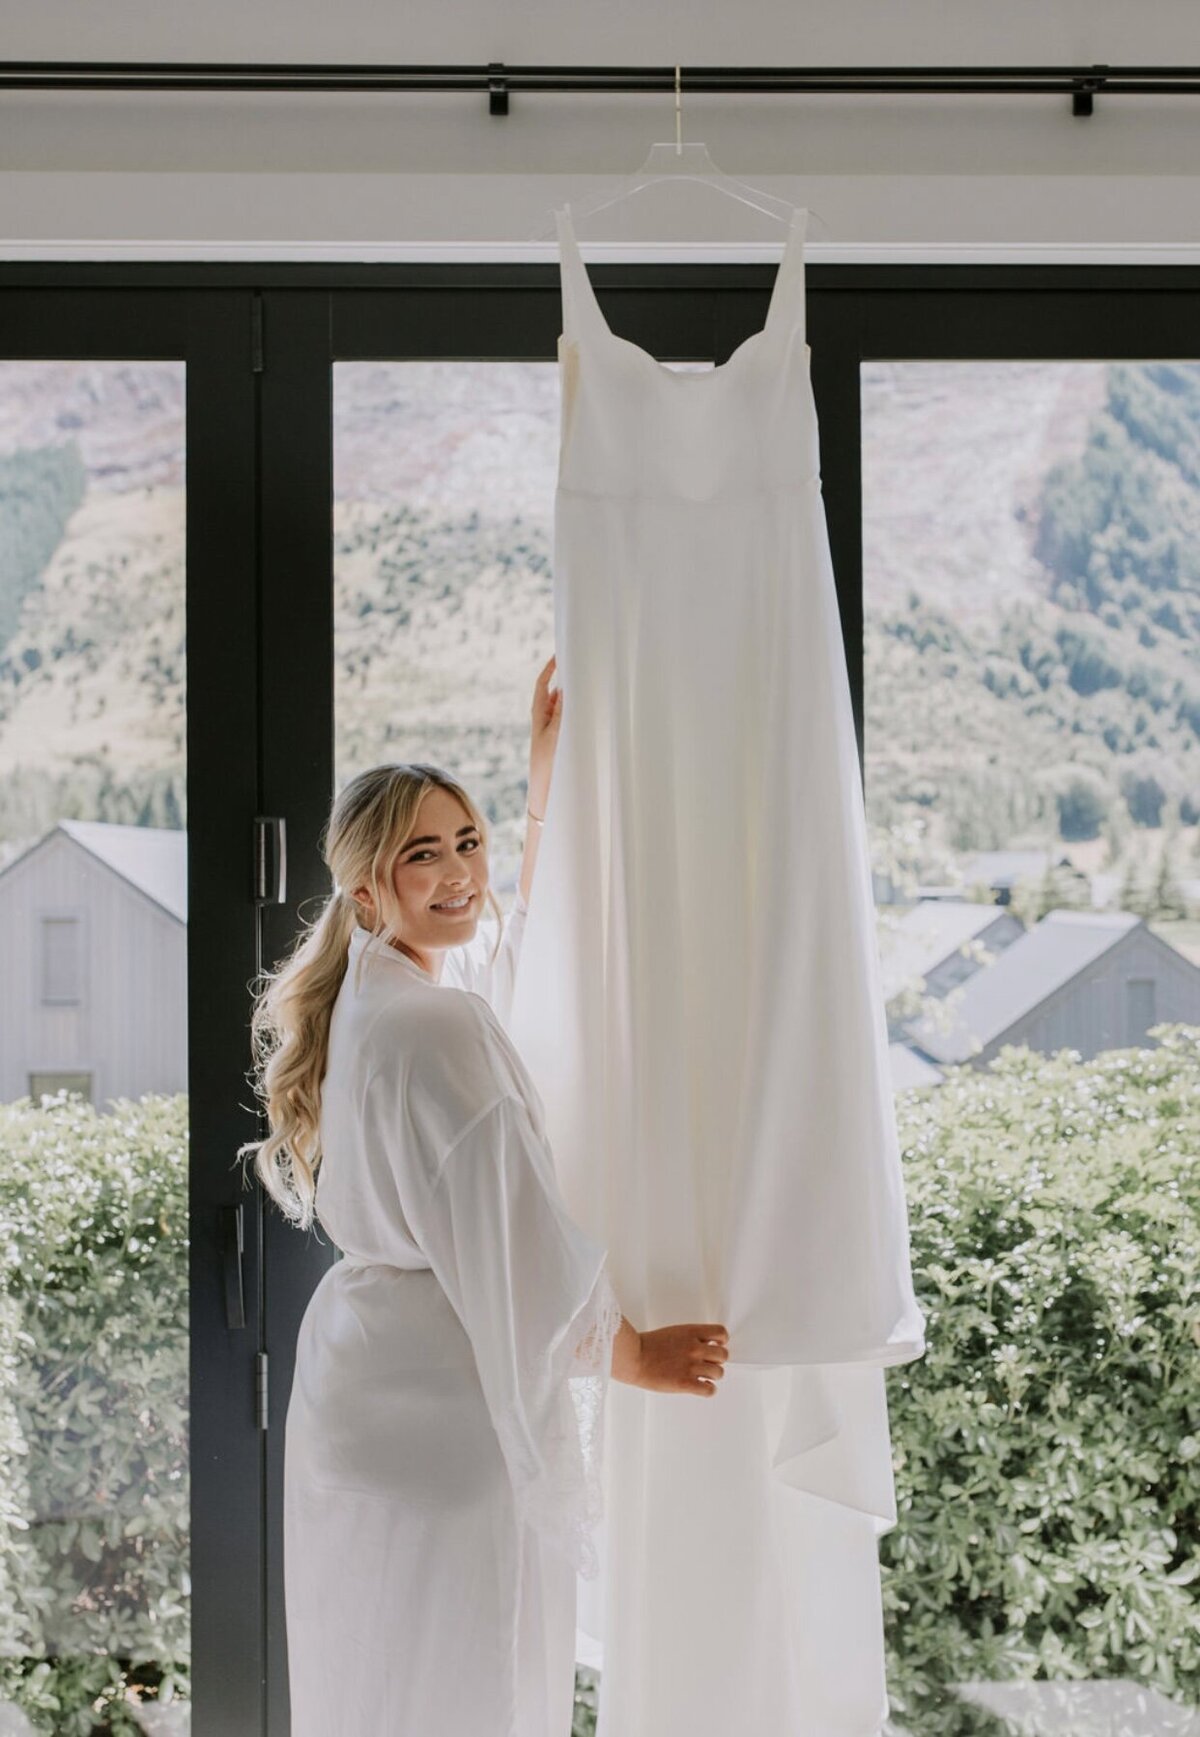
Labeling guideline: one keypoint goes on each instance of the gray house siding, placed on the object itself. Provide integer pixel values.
(124, 1022)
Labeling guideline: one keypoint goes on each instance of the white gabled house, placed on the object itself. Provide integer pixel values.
(1083, 980)
(93, 963)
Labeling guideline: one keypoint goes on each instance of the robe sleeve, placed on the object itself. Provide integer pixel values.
(472, 967)
(534, 1296)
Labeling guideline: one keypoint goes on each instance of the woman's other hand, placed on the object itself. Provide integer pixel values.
(545, 717)
(687, 1358)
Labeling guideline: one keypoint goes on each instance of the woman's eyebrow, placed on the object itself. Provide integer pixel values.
(414, 842)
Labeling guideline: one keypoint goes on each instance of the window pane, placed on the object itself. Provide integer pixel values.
(61, 960)
(1031, 622)
(443, 522)
(93, 1046)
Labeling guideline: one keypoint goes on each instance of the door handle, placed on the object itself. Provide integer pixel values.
(235, 1244)
(270, 860)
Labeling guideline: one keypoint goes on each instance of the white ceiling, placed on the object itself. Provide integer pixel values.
(168, 168)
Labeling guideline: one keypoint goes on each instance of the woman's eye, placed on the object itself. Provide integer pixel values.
(471, 841)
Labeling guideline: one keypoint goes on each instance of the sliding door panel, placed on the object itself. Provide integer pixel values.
(128, 1450)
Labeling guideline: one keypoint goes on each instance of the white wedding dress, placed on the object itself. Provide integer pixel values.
(699, 1002)
(441, 1469)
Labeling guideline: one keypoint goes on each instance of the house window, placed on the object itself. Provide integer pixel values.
(62, 960)
(1139, 1007)
(80, 1084)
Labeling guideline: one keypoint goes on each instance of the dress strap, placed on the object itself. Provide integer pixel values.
(786, 308)
(581, 310)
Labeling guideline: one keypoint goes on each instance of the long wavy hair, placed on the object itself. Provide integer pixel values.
(367, 826)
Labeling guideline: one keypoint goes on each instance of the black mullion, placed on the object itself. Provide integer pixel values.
(62, 323)
(834, 324)
(1097, 323)
(228, 1617)
(296, 507)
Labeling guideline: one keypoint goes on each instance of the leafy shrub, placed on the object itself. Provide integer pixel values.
(1048, 1443)
(94, 1342)
(1046, 1446)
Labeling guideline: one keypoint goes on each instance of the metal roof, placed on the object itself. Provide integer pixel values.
(928, 934)
(1019, 979)
(151, 858)
(910, 1069)
(997, 868)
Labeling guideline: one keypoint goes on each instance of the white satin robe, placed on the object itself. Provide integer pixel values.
(442, 1456)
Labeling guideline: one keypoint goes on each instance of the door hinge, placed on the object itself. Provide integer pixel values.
(261, 1395)
(256, 335)
(269, 880)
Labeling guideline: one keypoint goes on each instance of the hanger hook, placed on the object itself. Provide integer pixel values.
(678, 114)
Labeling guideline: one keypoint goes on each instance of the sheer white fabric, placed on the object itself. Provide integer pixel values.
(445, 1429)
(539, 1311)
(699, 1003)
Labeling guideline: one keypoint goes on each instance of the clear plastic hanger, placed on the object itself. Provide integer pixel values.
(676, 162)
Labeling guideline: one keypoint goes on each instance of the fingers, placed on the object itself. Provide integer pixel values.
(709, 1369)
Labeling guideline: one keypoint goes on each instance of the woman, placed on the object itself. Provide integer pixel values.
(442, 1464)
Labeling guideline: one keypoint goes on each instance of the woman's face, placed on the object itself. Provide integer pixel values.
(442, 864)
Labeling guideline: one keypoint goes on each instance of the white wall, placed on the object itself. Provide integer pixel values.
(274, 168)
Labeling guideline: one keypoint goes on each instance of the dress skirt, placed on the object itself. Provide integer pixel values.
(417, 1604)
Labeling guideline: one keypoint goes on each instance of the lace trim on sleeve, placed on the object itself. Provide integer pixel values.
(564, 1499)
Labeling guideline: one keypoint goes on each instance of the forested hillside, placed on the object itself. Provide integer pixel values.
(1032, 578)
(1069, 703)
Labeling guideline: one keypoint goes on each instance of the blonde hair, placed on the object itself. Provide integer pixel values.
(367, 826)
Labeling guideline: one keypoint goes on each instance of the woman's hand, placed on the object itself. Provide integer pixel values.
(688, 1358)
(545, 718)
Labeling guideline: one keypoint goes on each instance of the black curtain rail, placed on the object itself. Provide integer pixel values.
(498, 81)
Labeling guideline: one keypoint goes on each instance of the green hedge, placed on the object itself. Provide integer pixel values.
(1047, 1447)
(93, 1415)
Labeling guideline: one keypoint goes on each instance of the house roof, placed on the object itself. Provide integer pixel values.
(1003, 868)
(1019, 979)
(910, 1069)
(151, 858)
(929, 933)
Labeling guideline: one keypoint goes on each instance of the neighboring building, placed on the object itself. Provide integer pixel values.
(1001, 870)
(93, 985)
(933, 943)
(910, 1069)
(1082, 980)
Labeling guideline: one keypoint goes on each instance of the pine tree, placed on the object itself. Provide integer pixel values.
(1130, 896)
(1167, 901)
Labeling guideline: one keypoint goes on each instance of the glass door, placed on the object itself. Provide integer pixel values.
(130, 1453)
(1009, 462)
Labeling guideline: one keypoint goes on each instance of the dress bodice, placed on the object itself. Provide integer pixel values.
(632, 426)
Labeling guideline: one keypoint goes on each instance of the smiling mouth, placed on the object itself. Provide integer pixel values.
(455, 909)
